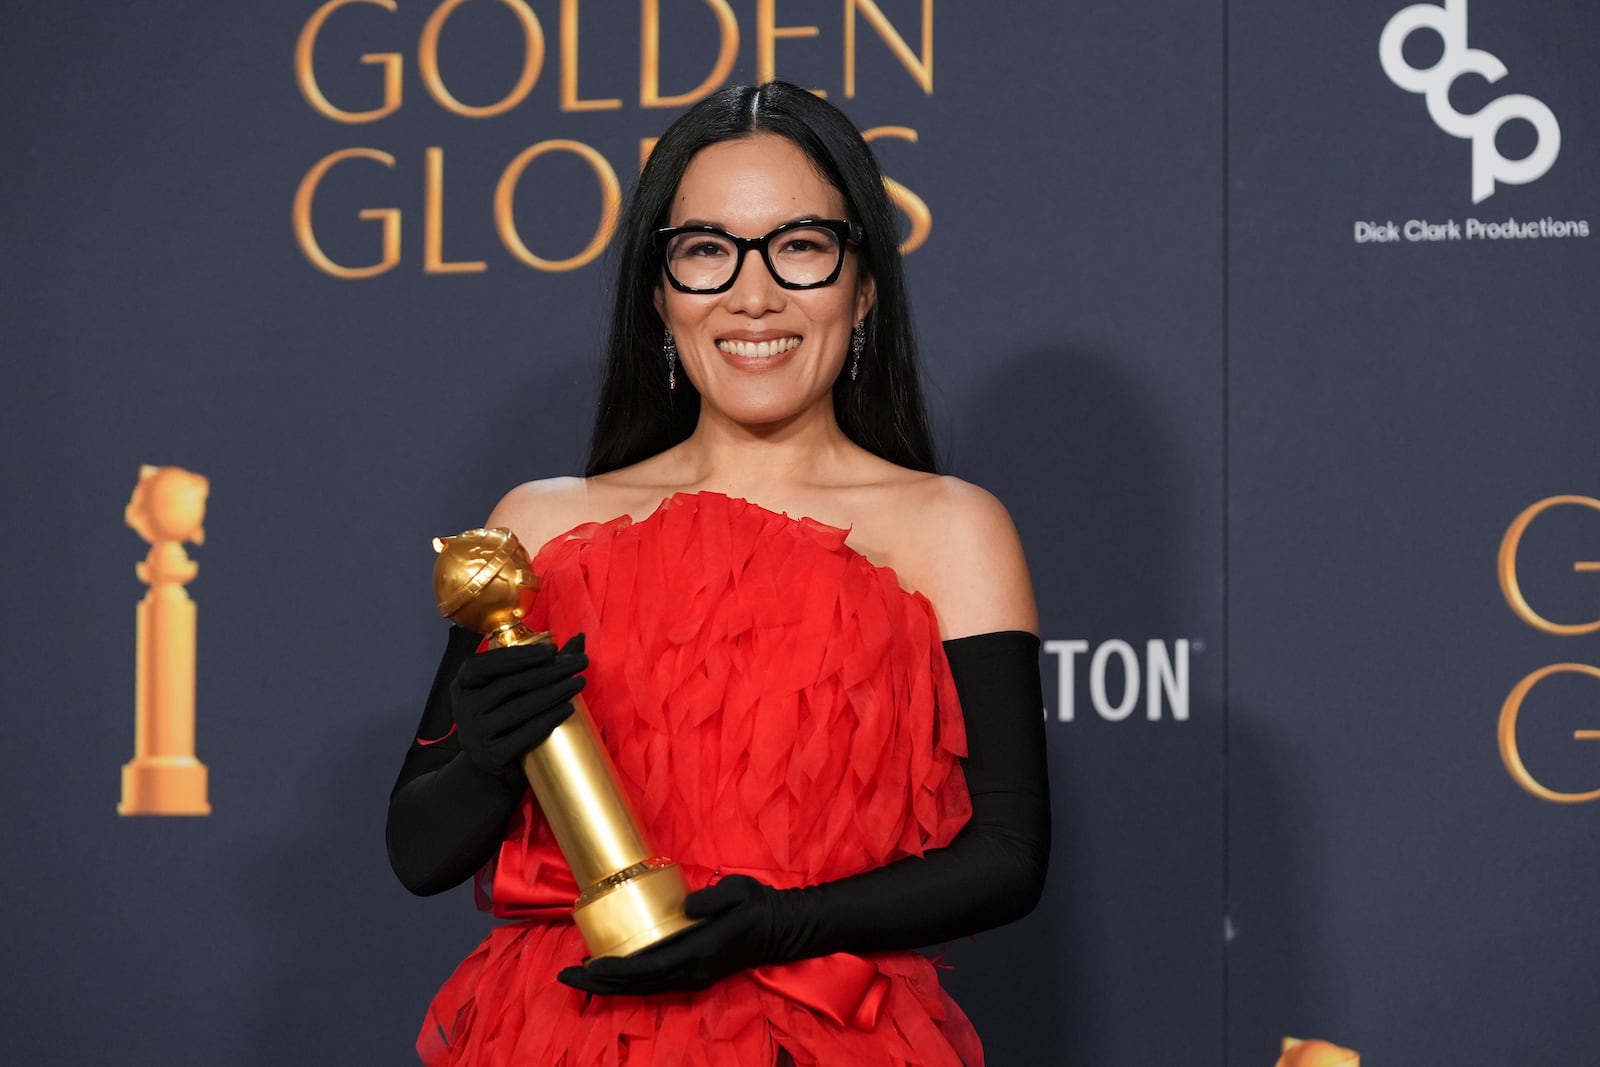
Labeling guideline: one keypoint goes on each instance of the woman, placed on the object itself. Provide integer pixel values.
(784, 697)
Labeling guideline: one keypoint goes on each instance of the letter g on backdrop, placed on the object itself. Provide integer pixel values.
(1449, 21)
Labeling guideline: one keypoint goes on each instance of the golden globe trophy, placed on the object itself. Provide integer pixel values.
(630, 897)
(164, 777)
(1298, 1052)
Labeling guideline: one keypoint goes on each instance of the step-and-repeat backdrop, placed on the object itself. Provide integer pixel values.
(1274, 324)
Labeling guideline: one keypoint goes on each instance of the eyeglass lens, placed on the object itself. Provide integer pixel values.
(801, 256)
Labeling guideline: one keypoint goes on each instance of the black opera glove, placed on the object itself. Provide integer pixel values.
(739, 929)
(992, 873)
(446, 814)
(507, 700)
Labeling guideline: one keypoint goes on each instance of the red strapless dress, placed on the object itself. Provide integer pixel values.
(776, 706)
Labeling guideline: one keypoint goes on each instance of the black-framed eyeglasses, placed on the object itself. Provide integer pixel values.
(806, 254)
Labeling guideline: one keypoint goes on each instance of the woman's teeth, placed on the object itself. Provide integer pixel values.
(758, 349)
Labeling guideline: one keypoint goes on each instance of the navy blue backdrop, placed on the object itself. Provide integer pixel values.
(1262, 470)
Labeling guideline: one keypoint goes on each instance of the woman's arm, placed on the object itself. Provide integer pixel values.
(463, 774)
(446, 816)
(993, 871)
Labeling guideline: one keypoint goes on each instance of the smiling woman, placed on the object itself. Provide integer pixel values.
(831, 722)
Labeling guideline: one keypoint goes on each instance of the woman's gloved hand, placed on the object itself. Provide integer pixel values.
(739, 920)
(507, 700)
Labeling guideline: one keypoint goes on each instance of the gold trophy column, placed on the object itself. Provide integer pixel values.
(164, 777)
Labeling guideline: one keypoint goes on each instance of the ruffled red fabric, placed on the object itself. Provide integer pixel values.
(775, 705)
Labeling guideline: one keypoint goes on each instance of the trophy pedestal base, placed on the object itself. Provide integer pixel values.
(635, 913)
(164, 785)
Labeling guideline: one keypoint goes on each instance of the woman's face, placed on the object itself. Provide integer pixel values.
(760, 353)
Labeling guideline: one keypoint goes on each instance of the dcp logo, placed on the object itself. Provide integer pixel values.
(1449, 21)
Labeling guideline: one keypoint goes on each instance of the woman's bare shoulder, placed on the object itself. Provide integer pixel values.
(538, 510)
(962, 549)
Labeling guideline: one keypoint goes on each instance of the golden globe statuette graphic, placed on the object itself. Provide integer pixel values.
(164, 778)
(630, 897)
(1302, 1053)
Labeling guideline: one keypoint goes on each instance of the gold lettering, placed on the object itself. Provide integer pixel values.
(768, 34)
(1512, 589)
(1511, 755)
(646, 146)
(920, 70)
(650, 56)
(433, 261)
(504, 205)
(532, 61)
(390, 217)
(306, 74)
(904, 199)
(569, 65)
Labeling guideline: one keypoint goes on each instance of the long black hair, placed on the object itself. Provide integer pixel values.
(882, 410)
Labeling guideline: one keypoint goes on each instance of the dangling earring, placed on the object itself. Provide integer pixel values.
(858, 341)
(671, 351)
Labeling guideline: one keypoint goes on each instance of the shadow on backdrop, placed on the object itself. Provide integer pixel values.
(1064, 437)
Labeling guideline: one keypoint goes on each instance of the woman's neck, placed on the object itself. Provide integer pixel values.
(726, 456)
